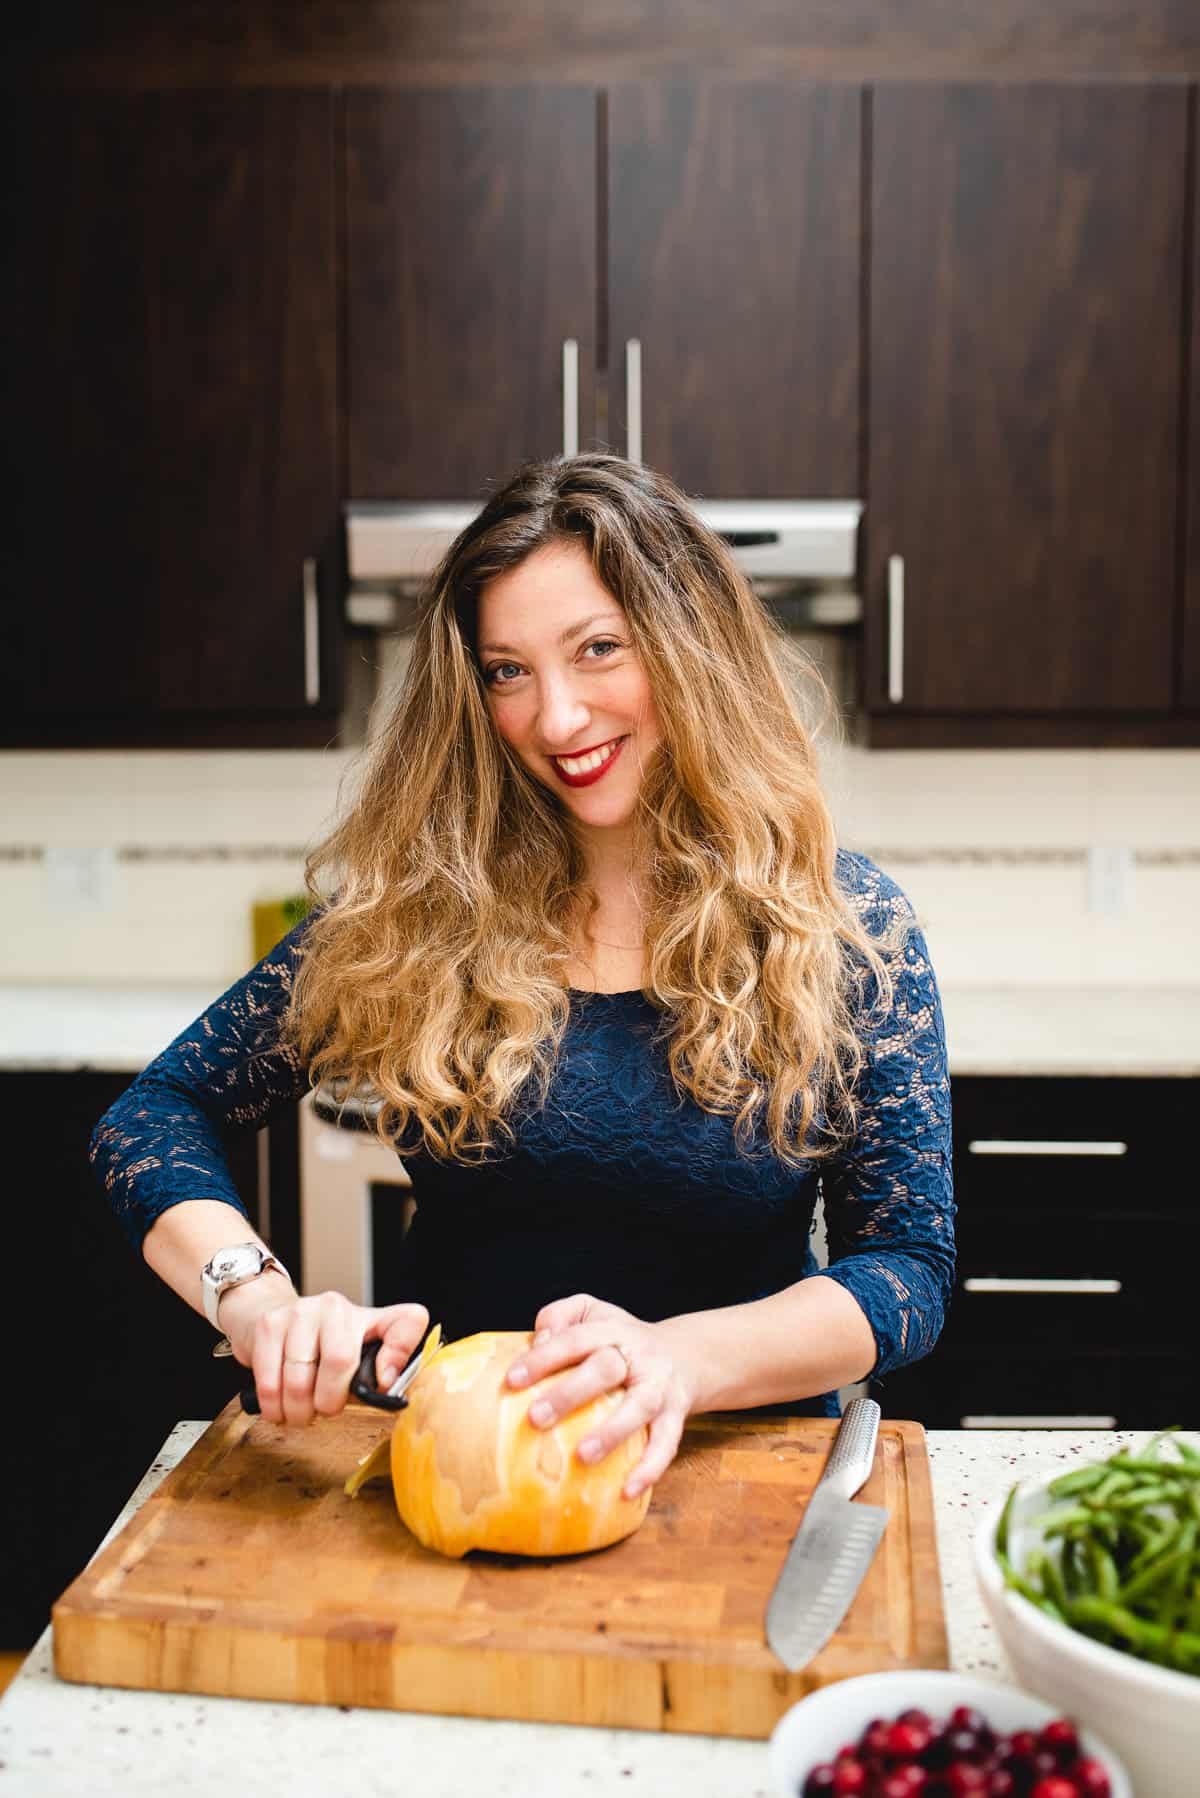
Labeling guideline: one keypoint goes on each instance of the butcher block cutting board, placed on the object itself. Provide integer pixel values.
(249, 1573)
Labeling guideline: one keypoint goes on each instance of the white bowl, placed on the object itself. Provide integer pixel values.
(813, 1730)
(1151, 1715)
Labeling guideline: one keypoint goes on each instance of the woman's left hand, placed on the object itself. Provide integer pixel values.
(607, 1348)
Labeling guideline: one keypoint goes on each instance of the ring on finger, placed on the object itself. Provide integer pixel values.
(627, 1358)
(300, 1360)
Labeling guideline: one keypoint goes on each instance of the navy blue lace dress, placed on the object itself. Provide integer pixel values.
(618, 1186)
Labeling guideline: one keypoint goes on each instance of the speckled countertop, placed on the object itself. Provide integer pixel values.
(70, 1741)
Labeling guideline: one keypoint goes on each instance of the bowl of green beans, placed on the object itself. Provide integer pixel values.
(1092, 1579)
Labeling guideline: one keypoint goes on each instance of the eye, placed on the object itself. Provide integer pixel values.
(500, 674)
(604, 645)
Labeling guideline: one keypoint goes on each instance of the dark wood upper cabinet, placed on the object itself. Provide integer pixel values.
(1025, 344)
(470, 261)
(171, 346)
(734, 225)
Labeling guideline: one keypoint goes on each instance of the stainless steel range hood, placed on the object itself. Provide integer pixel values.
(800, 555)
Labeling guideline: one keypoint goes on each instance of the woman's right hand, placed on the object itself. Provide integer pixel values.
(304, 1352)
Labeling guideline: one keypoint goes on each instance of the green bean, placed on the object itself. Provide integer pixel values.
(1103, 1568)
(1152, 1576)
(1121, 1622)
(1116, 1481)
(1081, 1480)
(1180, 1470)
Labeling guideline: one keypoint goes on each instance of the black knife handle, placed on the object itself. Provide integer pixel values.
(362, 1386)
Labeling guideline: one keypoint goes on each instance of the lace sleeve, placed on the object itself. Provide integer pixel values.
(162, 1140)
(889, 1197)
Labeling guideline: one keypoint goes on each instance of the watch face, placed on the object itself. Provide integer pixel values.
(235, 1264)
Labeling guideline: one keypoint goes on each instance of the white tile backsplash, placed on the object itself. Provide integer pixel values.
(990, 846)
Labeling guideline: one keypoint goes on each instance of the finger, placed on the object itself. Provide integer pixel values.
(562, 1313)
(266, 1361)
(398, 1328)
(561, 1348)
(301, 1357)
(603, 1371)
(661, 1449)
(339, 1350)
(639, 1408)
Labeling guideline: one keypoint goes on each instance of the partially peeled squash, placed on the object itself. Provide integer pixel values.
(470, 1471)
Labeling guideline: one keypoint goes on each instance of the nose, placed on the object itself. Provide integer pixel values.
(562, 713)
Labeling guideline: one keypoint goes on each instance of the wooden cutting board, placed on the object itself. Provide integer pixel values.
(249, 1573)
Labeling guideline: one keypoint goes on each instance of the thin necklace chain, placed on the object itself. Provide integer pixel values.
(607, 945)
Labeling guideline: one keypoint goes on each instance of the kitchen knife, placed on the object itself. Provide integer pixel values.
(833, 1545)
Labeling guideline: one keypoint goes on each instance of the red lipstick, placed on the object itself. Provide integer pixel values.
(591, 775)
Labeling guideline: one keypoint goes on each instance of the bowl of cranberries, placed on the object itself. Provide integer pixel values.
(936, 1735)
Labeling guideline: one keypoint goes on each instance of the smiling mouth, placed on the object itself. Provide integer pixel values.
(591, 765)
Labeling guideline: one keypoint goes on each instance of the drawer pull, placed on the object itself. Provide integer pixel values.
(570, 392)
(633, 399)
(895, 599)
(999, 1284)
(312, 631)
(988, 1422)
(1003, 1146)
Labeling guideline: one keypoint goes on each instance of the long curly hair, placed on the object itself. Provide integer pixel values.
(450, 896)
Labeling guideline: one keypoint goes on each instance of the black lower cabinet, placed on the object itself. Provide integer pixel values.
(101, 1358)
(1073, 1294)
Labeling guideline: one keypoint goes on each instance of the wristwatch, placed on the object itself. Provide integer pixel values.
(233, 1267)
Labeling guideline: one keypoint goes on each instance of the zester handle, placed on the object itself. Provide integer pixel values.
(853, 1453)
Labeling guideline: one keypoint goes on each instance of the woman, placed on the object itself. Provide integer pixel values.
(621, 1003)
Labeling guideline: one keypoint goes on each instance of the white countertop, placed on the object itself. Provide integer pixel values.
(58, 1739)
(990, 1029)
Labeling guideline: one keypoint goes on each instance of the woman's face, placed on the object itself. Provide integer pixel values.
(564, 683)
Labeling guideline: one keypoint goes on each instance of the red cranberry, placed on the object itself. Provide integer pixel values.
(903, 1782)
(819, 1782)
(906, 1741)
(964, 1716)
(1002, 1784)
(1054, 1786)
(849, 1778)
(873, 1741)
(963, 1779)
(1022, 1745)
(1091, 1780)
(1062, 1739)
(921, 1718)
(964, 1745)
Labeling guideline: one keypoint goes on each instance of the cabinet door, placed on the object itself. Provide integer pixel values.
(1025, 348)
(172, 355)
(471, 261)
(733, 229)
(1189, 688)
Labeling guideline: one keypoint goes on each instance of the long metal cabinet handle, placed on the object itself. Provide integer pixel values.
(895, 593)
(1001, 1283)
(312, 633)
(633, 399)
(1004, 1146)
(1014, 1421)
(570, 390)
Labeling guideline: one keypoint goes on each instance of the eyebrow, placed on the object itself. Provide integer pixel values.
(568, 636)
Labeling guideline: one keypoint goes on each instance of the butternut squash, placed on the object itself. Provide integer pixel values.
(470, 1471)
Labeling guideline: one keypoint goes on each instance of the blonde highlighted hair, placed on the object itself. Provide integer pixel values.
(452, 893)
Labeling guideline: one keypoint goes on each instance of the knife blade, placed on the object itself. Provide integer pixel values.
(834, 1545)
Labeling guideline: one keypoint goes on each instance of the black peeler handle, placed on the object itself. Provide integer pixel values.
(362, 1386)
